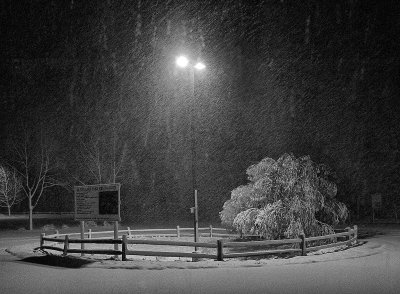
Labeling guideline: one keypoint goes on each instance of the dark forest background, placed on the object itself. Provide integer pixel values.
(98, 80)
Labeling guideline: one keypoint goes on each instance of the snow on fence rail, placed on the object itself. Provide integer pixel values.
(350, 234)
(178, 232)
(46, 212)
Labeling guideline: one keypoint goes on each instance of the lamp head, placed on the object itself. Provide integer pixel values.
(199, 66)
(182, 61)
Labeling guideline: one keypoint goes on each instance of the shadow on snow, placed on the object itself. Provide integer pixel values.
(59, 261)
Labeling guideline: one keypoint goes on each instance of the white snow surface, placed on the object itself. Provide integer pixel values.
(373, 266)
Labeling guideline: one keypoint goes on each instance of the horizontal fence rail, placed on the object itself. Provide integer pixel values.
(44, 212)
(318, 238)
(169, 254)
(127, 241)
(259, 253)
(128, 238)
(262, 243)
(172, 243)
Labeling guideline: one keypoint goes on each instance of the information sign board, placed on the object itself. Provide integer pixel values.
(97, 202)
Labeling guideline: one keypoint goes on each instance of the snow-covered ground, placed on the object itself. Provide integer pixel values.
(371, 267)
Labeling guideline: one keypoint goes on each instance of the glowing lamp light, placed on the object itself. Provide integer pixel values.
(199, 66)
(182, 61)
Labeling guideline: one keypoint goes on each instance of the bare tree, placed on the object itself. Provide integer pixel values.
(10, 188)
(102, 157)
(35, 162)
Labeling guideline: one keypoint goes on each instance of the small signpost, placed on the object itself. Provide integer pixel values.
(98, 203)
(195, 211)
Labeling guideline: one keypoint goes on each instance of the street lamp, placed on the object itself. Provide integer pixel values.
(184, 62)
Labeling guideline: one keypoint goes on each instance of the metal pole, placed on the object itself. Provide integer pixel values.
(196, 219)
(192, 131)
(194, 184)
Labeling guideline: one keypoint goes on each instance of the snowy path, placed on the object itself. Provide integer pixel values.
(371, 268)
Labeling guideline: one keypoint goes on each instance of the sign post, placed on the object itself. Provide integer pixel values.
(116, 247)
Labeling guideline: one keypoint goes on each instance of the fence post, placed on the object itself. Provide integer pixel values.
(124, 242)
(178, 232)
(41, 240)
(211, 231)
(66, 245)
(57, 233)
(349, 232)
(129, 231)
(220, 250)
(303, 244)
(355, 233)
(82, 223)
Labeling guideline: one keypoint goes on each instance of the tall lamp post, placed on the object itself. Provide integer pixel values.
(184, 62)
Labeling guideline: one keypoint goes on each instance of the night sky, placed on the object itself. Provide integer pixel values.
(96, 83)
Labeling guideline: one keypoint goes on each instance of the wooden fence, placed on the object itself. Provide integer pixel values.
(350, 236)
(176, 232)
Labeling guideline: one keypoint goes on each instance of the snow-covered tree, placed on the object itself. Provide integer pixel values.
(10, 188)
(285, 198)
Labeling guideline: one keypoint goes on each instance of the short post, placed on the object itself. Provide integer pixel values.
(41, 239)
(196, 220)
(178, 232)
(116, 247)
(90, 236)
(57, 233)
(129, 231)
(124, 244)
(66, 245)
(355, 233)
(211, 231)
(220, 250)
(82, 236)
(303, 245)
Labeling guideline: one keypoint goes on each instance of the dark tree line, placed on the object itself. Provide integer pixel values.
(316, 78)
